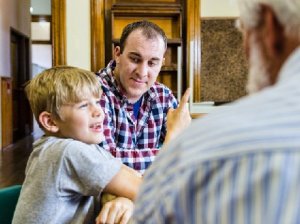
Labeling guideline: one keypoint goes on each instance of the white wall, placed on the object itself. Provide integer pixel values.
(78, 33)
(41, 7)
(42, 55)
(219, 8)
(15, 14)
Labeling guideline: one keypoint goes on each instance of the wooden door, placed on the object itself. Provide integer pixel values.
(6, 111)
(20, 67)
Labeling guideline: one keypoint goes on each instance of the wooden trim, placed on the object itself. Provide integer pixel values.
(6, 112)
(58, 8)
(97, 35)
(41, 42)
(197, 115)
(193, 35)
(40, 18)
(170, 2)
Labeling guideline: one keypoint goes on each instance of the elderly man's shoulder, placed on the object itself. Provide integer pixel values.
(233, 115)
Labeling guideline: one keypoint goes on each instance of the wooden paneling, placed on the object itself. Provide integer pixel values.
(97, 35)
(193, 46)
(147, 1)
(6, 111)
(58, 10)
(181, 32)
(196, 116)
(171, 25)
(169, 19)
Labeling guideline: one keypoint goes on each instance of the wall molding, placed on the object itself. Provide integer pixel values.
(58, 10)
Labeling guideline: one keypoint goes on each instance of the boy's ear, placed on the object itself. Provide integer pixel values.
(47, 122)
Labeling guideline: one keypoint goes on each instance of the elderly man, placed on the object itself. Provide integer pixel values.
(242, 163)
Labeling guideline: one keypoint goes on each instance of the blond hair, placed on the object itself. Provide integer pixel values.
(58, 86)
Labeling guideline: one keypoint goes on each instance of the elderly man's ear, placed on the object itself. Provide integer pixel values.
(273, 32)
(46, 120)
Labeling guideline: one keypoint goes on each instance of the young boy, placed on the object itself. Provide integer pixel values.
(67, 170)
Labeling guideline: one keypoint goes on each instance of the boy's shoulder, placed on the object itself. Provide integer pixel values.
(60, 145)
(68, 147)
(47, 141)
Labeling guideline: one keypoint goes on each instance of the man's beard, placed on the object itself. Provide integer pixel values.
(258, 77)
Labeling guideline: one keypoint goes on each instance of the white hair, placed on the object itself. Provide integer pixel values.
(258, 77)
(286, 11)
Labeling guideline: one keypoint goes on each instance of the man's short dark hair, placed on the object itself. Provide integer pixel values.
(150, 30)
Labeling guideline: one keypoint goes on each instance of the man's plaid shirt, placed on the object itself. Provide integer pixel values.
(135, 141)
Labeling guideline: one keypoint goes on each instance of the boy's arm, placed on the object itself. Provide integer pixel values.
(118, 209)
(125, 183)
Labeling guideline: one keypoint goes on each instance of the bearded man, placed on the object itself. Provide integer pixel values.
(240, 164)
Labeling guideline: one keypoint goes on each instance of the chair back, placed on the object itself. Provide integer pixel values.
(8, 201)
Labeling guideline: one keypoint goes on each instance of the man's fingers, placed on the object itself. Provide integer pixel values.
(185, 98)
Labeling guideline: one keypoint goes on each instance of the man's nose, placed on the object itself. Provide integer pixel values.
(142, 70)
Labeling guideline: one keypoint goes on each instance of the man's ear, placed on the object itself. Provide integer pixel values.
(47, 122)
(274, 31)
(117, 53)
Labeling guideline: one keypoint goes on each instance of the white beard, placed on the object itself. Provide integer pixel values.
(258, 77)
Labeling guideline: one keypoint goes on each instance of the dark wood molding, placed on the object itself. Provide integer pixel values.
(106, 26)
(58, 10)
(169, 2)
(47, 42)
(97, 35)
(40, 18)
(193, 36)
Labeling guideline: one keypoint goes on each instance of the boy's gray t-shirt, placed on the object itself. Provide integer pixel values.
(64, 179)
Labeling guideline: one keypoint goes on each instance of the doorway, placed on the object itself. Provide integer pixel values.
(20, 70)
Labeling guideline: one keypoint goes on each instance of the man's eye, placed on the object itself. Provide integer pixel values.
(152, 63)
(135, 60)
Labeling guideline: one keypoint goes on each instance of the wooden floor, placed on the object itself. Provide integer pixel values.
(13, 160)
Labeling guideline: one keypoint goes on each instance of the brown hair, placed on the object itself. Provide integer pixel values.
(149, 30)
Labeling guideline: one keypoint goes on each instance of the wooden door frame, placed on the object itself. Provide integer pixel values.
(192, 30)
(23, 124)
(97, 8)
(58, 12)
(193, 46)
